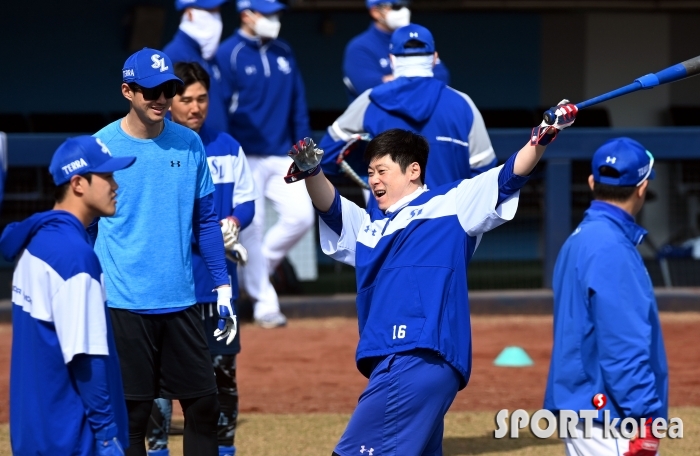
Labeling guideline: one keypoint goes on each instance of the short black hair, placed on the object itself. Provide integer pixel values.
(615, 193)
(403, 146)
(415, 44)
(60, 191)
(191, 73)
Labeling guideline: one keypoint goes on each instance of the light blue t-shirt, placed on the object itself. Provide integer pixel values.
(146, 248)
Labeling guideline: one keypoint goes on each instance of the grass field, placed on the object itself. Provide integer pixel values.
(466, 433)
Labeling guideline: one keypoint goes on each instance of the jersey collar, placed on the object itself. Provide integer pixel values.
(621, 218)
(403, 202)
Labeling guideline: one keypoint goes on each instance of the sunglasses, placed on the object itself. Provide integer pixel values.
(169, 89)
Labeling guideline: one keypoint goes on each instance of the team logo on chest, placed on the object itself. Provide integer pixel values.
(283, 65)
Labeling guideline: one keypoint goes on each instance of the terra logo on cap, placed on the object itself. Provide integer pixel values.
(82, 155)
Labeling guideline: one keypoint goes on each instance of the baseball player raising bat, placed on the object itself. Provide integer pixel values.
(411, 254)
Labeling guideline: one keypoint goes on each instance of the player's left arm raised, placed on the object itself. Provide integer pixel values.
(479, 208)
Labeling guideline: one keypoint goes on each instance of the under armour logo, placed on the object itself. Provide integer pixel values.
(367, 229)
(416, 212)
(413, 35)
(174, 163)
(611, 160)
(374, 232)
(103, 146)
(370, 452)
(159, 63)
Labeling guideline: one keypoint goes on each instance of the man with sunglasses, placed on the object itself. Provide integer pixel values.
(607, 334)
(267, 112)
(197, 40)
(366, 62)
(146, 253)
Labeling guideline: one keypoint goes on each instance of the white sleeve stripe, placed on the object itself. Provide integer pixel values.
(339, 132)
(482, 156)
(79, 317)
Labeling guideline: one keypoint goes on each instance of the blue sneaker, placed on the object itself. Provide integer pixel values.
(227, 451)
(163, 452)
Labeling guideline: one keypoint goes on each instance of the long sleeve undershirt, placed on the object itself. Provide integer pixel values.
(245, 212)
(90, 375)
(207, 233)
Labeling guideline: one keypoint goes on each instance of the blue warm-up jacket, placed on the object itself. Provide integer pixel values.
(366, 61)
(184, 49)
(234, 195)
(265, 94)
(607, 335)
(460, 147)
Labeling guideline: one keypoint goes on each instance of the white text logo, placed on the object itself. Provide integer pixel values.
(72, 166)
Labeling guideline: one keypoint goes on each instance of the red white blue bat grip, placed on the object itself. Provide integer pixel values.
(671, 74)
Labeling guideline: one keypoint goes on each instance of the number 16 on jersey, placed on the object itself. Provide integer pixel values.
(401, 333)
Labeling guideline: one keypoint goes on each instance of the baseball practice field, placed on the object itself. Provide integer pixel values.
(298, 386)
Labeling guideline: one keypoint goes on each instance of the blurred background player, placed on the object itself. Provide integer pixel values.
(167, 198)
(607, 334)
(197, 41)
(267, 112)
(366, 61)
(415, 100)
(234, 196)
(65, 384)
(413, 249)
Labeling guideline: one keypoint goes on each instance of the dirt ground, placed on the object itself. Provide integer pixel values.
(309, 366)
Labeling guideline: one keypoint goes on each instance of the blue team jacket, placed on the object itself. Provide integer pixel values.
(222, 154)
(460, 146)
(265, 94)
(607, 335)
(366, 61)
(184, 49)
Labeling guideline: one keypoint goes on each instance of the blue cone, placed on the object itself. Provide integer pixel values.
(513, 357)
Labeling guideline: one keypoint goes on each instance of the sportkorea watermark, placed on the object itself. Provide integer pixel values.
(613, 428)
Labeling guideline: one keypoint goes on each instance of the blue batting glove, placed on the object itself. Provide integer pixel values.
(227, 326)
(106, 443)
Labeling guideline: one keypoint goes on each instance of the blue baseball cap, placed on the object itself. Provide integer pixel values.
(203, 4)
(371, 3)
(628, 157)
(261, 6)
(148, 68)
(82, 155)
(403, 35)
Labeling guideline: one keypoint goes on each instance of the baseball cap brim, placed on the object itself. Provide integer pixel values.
(114, 164)
(157, 79)
(269, 8)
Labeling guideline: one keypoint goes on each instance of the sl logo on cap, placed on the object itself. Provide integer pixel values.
(103, 146)
(158, 63)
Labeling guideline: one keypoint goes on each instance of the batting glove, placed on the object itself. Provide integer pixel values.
(544, 134)
(234, 249)
(227, 327)
(106, 443)
(307, 160)
(644, 446)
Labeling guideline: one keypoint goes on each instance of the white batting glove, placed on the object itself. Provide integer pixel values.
(227, 327)
(234, 249)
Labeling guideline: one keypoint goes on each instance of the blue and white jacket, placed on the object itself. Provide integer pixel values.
(266, 99)
(234, 195)
(411, 263)
(65, 379)
(607, 335)
(185, 49)
(460, 147)
(366, 61)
